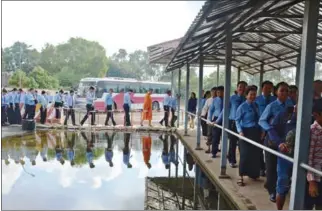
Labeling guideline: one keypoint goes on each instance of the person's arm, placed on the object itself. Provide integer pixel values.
(263, 120)
(205, 108)
(311, 177)
(239, 115)
(272, 134)
(211, 111)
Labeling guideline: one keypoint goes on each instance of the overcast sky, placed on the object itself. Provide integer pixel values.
(114, 24)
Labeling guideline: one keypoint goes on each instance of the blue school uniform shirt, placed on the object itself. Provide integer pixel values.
(59, 155)
(58, 98)
(167, 100)
(173, 104)
(29, 99)
(43, 101)
(165, 159)
(17, 98)
(108, 155)
(89, 157)
(4, 100)
(246, 116)
(235, 101)
(10, 97)
(70, 154)
(290, 101)
(215, 109)
(108, 99)
(263, 101)
(126, 158)
(70, 101)
(90, 97)
(127, 99)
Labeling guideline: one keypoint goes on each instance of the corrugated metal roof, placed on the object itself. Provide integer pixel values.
(266, 32)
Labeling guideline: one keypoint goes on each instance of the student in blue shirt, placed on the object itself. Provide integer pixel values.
(109, 149)
(43, 109)
(59, 150)
(17, 101)
(4, 104)
(166, 108)
(127, 150)
(89, 148)
(10, 110)
(215, 110)
(270, 112)
(235, 101)
(165, 152)
(109, 107)
(70, 151)
(30, 104)
(58, 99)
(172, 151)
(247, 125)
(173, 106)
(262, 101)
(90, 97)
(70, 103)
(292, 95)
(127, 106)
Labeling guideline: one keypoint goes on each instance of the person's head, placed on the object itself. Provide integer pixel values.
(43, 92)
(255, 87)
(129, 165)
(282, 91)
(149, 165)
(193, 95)
(169, 92)
(122, 91)
(61, 92)
(33, 162)
(317, 111)
(91, 89)
(214, 91)
(251, 93)
(44, 159)
(241, 86)
(293, 92)
(31, 90)
(130, 90)
(71, 92)
(178, 96)
(150, 91)
(207, 94)
(220, 91)
(72, 163)
(111, 91)
(91, 165)
(267, 88)
(111, 163)
(20, 90)
(317, 87)
(14, 90)
(4, 91)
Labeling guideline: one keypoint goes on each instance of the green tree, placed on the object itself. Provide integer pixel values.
(19, 76)
(42, 78)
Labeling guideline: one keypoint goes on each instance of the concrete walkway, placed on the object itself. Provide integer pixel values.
(253, 196)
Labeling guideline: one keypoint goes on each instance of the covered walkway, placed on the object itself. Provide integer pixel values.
(257, 36)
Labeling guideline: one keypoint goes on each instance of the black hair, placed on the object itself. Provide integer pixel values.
(293, 87)
(267, 83)
(92, 88)
(242, 82)
(249, 89)
(61, 91)
(318, 81)
(4, 90)
(20, 90)
(31, 89)
(317, 106)
(255, 87)
(214, 88)
(194, 94)
(14, 89)
(71, 91)
(206, 93)
(43, 92)
(220, 88)
(281, 84)
(169, 92)
(130, 90)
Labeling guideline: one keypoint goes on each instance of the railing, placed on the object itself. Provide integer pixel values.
(278, 154)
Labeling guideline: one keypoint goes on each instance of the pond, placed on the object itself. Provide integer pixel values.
(56, 170)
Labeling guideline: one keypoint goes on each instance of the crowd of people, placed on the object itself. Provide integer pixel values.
(268, 119)
(64, 146)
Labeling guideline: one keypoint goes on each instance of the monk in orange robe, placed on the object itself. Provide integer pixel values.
(147, 108)
(146, 149)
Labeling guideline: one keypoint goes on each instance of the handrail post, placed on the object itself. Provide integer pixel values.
(179, 94)
(201, 62)
(186, 100)
(225, 122)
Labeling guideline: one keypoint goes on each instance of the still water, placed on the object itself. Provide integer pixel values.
(102, 171)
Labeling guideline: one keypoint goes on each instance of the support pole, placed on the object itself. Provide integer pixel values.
(172, 82)
(224, 143)
(179, 93)
(238, 74)
(298, 69)
(184, 178)
(308, 53)
(199, 102)
(261, 76)
(217, 74)
(186, 100)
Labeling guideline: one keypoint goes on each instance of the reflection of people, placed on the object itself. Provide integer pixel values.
(89, 149)
(165, 151)
(190, 161)
(70, 148)
(109, 149)
(59, 150)
(44, 147)
(146, 150)
(147, 108)
(127, 150)
(17, 153)
(32, 151)
(5, 152)
(172, 151)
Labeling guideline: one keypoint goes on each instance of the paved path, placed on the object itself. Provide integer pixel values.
(252, 196)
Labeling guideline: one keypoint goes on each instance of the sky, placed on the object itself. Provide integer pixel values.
(114, 24)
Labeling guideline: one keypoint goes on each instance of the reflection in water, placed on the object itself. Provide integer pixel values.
(104, 170)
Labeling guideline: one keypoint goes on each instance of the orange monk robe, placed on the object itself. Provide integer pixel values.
(146, 142)
(147, 107)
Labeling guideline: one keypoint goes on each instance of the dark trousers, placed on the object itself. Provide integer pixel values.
(4, 114)
(174, 117)
(204, 126)
(57, 105)
(126, 108)
(216, 134)
(109, 115)
(11, 114)
(271, 172)
(43, 115)
(316, 202)
(29, 111)
(89, 108)
(70, 112)
(232, 143)
(17, 113)
(166, 116)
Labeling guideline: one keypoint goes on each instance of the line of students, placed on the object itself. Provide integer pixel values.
(65, 147)
(265, 119)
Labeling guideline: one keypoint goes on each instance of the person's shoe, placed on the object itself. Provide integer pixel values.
(272, 197)
(214, 156)
(161, 123)
(233, 165)
(262, 173)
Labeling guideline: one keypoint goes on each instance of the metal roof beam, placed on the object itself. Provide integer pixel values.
(281, 16)
(229, 12)
(268, 31)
